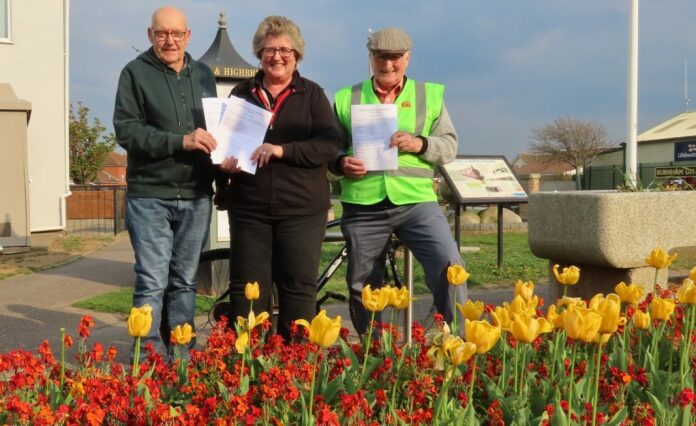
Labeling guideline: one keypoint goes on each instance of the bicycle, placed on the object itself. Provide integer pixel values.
(212, 276)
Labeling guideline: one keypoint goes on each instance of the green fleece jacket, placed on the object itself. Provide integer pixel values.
(155, 108)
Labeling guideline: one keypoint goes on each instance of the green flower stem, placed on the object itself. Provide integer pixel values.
(62, 357)
(684, 365)
(454, 312)
(503, 345)
(136, 358)
(596, 382)
(517, 359)
(241, 371)
(470, 399)
(522, 370)
(396, 380)
(655, 282)
(570, 382)
(443, 397)
(368, 340)
(655, 343)
(311, 390)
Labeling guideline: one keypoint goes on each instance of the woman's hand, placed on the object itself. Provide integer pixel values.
(263, 154)
(229, 165)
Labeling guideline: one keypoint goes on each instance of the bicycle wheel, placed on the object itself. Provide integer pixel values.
(213, 280)
(213, 274)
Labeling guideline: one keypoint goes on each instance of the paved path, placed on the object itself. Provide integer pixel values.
(34, 307)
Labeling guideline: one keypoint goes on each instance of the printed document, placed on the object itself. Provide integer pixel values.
(372, 127)
(240, 130)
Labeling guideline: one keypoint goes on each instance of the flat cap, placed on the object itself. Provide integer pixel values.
(389, 40)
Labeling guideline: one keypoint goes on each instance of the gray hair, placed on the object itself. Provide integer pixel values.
(278, 26)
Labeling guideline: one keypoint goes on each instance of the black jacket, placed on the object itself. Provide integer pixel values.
(306, 128)
(154, 108)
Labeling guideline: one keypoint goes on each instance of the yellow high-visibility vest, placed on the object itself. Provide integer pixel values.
(419, 106)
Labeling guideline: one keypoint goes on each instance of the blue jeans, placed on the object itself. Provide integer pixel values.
(167, 237)
(422, 228)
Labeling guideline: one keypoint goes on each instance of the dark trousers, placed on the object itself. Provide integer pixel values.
(284, 250)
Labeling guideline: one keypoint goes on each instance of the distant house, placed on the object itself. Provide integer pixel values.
(552, 175)
(668, 145)
(114, 171)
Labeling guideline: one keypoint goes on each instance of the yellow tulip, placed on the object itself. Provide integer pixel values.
(182, 335)
(251, 291)
(140, 321)
(553, 317)
(441, 346)
(641, 320)
(457, 275)
(659, 258)
(569, 276)
(525, 328)
(502, 317)
(400, 298)
(462, 353)
(571, 301)
(661, 309)
(482, 334)
(519, 306)
(687, 292)
(545, 326)
(692, 274)
(525, 289)
(610, 309)
(323, 331)
(582, 324)
(374, 300)
(471, 310)
(245, 325)
(630, 294)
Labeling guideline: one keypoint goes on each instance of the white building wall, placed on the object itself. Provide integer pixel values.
(34, 62)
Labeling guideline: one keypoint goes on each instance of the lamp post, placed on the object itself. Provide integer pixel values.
(631, 140)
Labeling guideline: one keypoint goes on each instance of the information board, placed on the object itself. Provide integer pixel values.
(483, 179)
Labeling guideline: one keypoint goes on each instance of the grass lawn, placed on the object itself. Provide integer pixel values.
(121, 301)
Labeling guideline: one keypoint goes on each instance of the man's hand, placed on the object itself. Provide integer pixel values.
(199, 140)
(353, 167)
(406, 142)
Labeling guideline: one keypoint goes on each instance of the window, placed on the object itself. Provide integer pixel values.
(4, 21)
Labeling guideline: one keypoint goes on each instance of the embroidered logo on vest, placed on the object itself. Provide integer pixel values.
(406, 104)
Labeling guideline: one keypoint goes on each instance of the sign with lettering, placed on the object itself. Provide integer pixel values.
(234, 72)
(675, 171)
(685, 151)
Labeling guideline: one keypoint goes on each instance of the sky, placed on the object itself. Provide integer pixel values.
(509, 66)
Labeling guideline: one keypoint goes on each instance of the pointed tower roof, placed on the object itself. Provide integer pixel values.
(223, 58)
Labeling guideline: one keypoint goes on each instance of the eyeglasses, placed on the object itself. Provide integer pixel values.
(270, 52)
(176, 35)
(394, 57)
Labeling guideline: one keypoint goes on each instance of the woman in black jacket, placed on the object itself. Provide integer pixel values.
(278, 215)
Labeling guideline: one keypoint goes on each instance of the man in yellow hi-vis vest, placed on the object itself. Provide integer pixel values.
(378, 203)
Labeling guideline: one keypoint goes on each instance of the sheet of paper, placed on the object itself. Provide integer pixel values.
(240, 131)
(372, 127)
(213, 109)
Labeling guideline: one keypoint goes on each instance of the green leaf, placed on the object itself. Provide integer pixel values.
(685, 418)
(619, 417)
(659, 408)
(244, 385)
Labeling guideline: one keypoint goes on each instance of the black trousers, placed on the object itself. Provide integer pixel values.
(284, 250)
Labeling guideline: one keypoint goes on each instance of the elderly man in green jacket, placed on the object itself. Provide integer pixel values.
(159, 121)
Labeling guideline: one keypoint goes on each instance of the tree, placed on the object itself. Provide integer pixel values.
(89, 148)
(571, 141)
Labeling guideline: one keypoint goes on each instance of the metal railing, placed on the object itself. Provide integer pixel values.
(96, 210)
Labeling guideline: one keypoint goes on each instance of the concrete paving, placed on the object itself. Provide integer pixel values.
(34, 307)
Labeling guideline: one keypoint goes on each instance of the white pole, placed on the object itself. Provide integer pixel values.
(631, 140)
